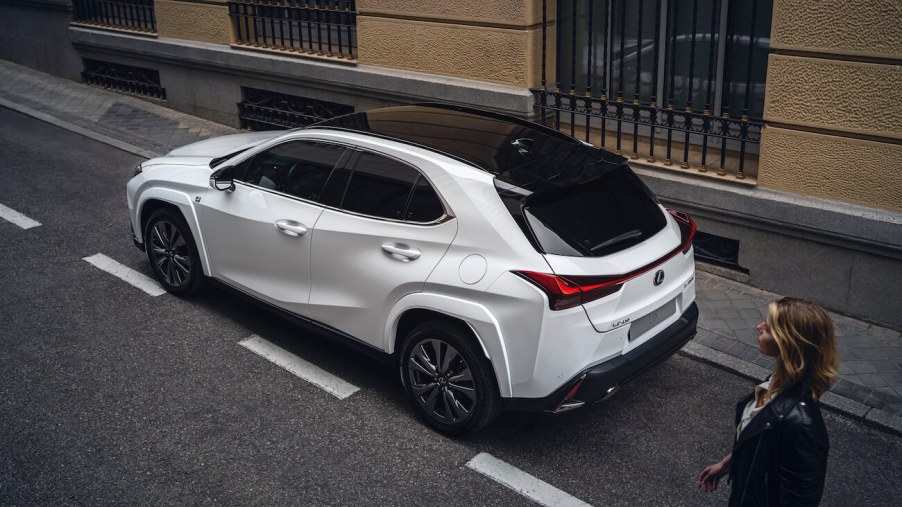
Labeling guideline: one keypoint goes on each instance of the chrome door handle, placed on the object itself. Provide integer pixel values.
(402, 251)
(291, 227)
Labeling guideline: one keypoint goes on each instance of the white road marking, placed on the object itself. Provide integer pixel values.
(139, 280)
(17, 218)
(521, 482)
(294, 364)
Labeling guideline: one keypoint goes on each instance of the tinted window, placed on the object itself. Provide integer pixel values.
(600, 216)
(297, 168)
(425, 205)
(379, 187)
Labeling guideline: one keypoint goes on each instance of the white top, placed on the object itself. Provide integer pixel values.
(751, 410)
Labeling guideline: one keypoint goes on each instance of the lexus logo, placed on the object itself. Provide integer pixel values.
(659, 277)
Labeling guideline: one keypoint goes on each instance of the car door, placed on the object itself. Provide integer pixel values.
(379, 242)
(258, 235)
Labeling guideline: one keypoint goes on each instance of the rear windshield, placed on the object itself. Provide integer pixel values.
(599, 216)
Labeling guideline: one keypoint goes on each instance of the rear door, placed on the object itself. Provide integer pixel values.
(386, 232)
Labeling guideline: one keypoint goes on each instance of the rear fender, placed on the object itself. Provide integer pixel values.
(484, 325)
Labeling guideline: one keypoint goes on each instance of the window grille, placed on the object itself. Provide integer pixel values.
(681, 80)
(123, 14)
(265, 110)
(124, 78)
(319, 27)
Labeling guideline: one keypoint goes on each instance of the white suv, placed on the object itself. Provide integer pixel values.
(498, 263)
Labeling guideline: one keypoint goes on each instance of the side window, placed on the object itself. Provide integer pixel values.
(425, 205)
(297, 168)
(379, 187)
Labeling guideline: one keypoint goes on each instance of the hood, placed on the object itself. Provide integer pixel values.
(224, 145)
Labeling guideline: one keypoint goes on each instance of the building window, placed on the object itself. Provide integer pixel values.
(123, 78)
(316, 27)
(678, 80)
(266, 110)
(121, 14)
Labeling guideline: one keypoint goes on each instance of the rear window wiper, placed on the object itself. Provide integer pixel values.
(635, 233)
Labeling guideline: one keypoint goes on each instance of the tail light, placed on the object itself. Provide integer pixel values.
(687, 228)
(568, 291)
(565, 291)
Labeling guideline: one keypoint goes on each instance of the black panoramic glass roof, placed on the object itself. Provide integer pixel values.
(517, 151)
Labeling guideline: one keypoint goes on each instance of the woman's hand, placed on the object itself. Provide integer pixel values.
(710, 477)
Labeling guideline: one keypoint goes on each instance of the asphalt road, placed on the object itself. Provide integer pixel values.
(111, 396)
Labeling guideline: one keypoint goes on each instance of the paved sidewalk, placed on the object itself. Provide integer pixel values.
(871, 385)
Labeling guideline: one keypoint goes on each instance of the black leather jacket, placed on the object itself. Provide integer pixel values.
(780, 458)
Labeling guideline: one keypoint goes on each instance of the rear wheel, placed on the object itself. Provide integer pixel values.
(172, 253)
(448, 378)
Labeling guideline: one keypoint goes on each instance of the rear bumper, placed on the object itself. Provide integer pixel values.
(600, 380)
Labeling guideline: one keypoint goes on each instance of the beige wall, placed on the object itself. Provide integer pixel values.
(833, 167)
(839, 27)
(488, 41)
(834, 101)
(202, 22)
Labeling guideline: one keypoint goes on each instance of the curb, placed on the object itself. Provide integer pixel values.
(38, 115)
(874, 417)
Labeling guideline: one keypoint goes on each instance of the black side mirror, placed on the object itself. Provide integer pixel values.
(222, 180)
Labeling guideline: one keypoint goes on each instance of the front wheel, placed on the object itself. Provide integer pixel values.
(448, 378)
(172, 253)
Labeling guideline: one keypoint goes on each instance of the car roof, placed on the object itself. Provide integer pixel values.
(520, 152)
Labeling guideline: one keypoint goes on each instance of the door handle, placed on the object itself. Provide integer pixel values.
(291, 227)
(408, 254)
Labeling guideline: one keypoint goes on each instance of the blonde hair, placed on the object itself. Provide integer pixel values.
(803, 333)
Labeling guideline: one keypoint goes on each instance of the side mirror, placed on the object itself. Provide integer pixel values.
(222, 180)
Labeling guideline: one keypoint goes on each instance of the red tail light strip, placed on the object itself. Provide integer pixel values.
(565, 291)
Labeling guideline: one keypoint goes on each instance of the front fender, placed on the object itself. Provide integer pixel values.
(478, 317)
(185, 204)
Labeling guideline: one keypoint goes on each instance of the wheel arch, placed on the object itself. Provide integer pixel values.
(177, 202)
(481, 325)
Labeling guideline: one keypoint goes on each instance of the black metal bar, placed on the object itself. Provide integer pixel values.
(669, 113)
(605, 61)
(590, 68)
(620, 75)
(544, 51)
(689, 98)
(573, 67)
(636, 91)
(748, 91)
(727, 84)
(712, 50)
(653, 115)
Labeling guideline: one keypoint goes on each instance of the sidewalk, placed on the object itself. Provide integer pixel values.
(870, 388)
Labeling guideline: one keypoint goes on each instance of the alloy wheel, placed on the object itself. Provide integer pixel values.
(441, 381)
(170, 253)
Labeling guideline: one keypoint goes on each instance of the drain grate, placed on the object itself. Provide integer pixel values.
(123, 78)
(265, 110)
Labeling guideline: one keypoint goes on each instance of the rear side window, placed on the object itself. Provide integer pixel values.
(383, 187)
(600, 216)
(296, 168)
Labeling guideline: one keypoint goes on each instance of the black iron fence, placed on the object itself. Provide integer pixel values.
(124, 14)
(678, 79)
(125, 78)
(266, 110)
(321, 27)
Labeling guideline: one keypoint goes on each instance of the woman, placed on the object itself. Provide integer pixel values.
(780, 453)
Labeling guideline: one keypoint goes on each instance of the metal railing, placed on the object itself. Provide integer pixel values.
(266, 110)
(678, 78)
(125, 78)
(320, 27)
(123, 14)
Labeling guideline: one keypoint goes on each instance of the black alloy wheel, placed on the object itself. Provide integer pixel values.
(448, 378)
(172, 253)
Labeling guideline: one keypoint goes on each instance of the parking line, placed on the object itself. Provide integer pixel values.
(521, 482)
(129, 275)
(294, 364)
(17, 218)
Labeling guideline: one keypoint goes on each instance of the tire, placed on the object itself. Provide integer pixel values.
(454, 393)
(172, 253)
